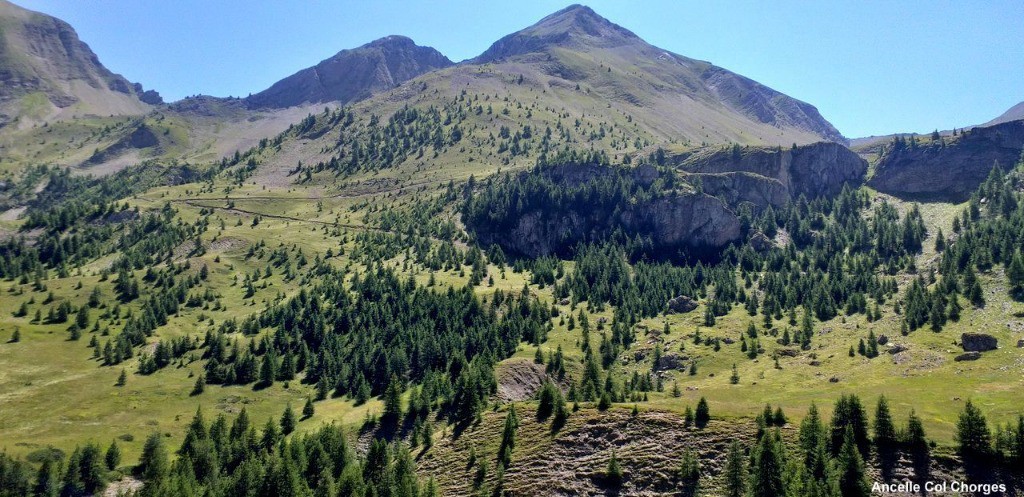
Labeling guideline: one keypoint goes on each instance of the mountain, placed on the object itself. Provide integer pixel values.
(1012, 114)
(46, 71)
(949, 168)
(579, 45)
(354, 74)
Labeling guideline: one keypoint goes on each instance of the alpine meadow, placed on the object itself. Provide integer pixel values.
(575, 264)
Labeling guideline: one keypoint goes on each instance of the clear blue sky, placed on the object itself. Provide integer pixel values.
(871, 67)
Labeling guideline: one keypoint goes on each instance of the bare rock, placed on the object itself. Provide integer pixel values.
(760, 242)
(681, 304)
(896, 348)
(978, 342)
(671, 361)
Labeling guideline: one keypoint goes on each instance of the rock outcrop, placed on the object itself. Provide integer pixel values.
(42, 56)
(978, 342)
(354, 74)
(948, 171)
(772, 176)
(681, 304)
(673, 221)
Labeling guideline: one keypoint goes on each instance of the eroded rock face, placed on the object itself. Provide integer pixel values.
(978, 342)
(681, 304)
(354, 74)
(771, 176)
(676, 221)
(949, 172)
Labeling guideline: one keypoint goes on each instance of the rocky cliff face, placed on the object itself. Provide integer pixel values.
(672, 221)
(353, 74)
(771, 176)
(948, 171)
(42, 55)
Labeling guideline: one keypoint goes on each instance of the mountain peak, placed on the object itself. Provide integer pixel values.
(391, 41)
(353, 74)
(40, 54)
(574, 26)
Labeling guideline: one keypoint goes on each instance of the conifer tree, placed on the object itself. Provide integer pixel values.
(288, 421)
(508, 438)
(918, 449)
(852, 480)
(113, 456)
(702, 414)
(735, 471)
(974, 442)
(885, 439)
(689, 474)
(613, 473)
(308, 410)
(766, 478)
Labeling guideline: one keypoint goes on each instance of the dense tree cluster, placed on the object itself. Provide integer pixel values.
(225, 458)
(354, 332)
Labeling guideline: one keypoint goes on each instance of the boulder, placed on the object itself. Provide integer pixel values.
(978, 342)
(882, 339)
(1020, 343)
(788, 352)
(670, 361)
(968, 356)
(760, 242)
(896, 348)
(681, 304)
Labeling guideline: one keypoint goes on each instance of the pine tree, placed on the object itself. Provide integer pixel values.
(613, 473)
(852, 479)
(113, 456)
(200, 385)
(508, 438)
(1015, 273)
(689, 474)
(392, 403)
(735, 377)
(918, 449)
(153, 465)
(766, 479)
(546, 401)
(974, 442)
(308, 410)
(885, 439)
(703, 413)
(735, 472)
(16, 336)
(122, 379)
(849, 412)
(288, 421)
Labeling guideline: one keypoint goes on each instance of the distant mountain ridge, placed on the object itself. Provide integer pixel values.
(1014, 113)
(354, 74)
(579, 30)
(46, 70)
